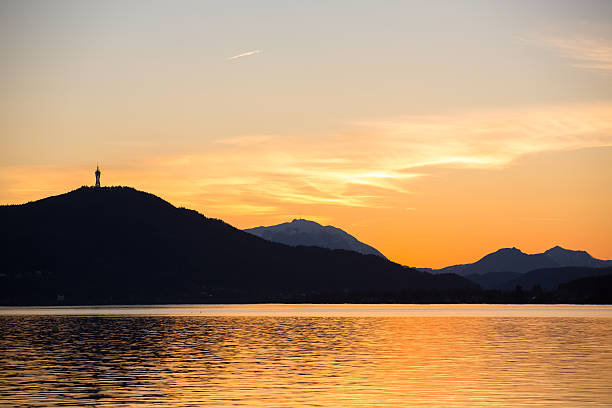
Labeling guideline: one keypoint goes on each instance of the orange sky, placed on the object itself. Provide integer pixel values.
(434, 147)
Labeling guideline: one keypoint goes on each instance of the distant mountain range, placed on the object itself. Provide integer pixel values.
(506, 267)
(514, 260)
(310, 233)
(503, 269)
(117, 245)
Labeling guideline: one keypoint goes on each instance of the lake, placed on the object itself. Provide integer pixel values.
(307, 356)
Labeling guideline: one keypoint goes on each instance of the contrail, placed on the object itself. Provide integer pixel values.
(245, 54)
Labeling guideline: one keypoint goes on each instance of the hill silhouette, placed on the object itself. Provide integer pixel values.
(503, 260)
(567, 257)
(592, 289)
(550, 278)
(515, 260)
(504, 268)
(116, 245)
(306, 232)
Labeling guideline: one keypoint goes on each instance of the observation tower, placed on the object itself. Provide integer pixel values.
(97, 173)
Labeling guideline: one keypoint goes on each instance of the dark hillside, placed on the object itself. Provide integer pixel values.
(120, 245)
(551, 278)
(592, 289)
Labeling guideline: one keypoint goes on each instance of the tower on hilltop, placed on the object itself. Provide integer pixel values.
(97, 173)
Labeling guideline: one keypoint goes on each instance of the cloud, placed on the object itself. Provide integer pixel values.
(245, 54)
(385, 156)
(586, 52)
(490, 138)
(378, 164)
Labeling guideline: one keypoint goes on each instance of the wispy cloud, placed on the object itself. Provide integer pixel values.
(488, 138)
(374, 166)
(586, 52)
(383, 157)
(245, 54)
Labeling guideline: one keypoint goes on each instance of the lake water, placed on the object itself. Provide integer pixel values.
(307, 356)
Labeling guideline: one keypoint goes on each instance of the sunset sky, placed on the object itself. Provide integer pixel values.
(435, 131)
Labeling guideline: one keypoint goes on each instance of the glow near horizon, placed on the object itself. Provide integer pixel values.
(442, 141)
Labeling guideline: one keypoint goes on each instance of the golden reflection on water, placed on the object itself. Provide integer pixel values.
(288, 360)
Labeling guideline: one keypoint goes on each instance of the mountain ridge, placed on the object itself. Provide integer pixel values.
(508, 267)
(514, 260)
(311, 233)
(118, 245)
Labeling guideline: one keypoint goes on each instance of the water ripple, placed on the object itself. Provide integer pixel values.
(303, 360)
